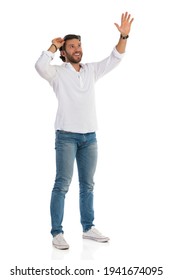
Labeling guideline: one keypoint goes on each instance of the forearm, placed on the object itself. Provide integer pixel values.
(121, 46)
(52, 48)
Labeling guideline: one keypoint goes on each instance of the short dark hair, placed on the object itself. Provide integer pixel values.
(68, 37)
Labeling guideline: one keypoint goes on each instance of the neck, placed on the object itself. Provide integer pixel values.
(76, 66)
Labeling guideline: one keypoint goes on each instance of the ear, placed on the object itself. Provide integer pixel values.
(63, 53)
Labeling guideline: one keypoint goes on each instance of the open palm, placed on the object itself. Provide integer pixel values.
(126, 22)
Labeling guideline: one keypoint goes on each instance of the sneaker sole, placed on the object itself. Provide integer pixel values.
(96, 239)
(61, 247)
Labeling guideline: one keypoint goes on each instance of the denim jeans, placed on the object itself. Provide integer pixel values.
(82, 147)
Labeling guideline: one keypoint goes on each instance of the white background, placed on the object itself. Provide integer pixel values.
(133, 198)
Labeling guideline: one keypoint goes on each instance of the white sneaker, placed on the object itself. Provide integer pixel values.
(95, 235)
(59, 242)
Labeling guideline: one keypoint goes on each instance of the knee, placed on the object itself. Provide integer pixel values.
(61, 185)
(86, 187)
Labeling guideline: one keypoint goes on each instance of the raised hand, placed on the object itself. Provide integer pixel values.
(125, 26)
(58, 42)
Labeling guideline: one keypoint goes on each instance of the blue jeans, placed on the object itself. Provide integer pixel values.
(82, 147)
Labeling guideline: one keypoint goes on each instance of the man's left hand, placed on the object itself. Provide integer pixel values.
(125, 26)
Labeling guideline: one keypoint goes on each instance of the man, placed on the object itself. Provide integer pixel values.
(76, 124)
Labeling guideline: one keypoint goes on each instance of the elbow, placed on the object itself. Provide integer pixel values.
(42, 72)
(37, 67)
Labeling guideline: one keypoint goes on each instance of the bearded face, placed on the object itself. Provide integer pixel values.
(73, 51)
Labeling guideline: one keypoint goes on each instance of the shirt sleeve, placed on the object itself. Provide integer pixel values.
(44, 68)
(105, 66)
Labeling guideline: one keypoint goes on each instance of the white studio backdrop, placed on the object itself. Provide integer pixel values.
(133, 192)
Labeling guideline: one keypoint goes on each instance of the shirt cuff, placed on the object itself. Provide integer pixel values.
(49, 54)
(117, 54)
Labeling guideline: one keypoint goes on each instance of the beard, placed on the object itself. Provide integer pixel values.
(74, 58)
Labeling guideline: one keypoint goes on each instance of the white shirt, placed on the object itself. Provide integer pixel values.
(75, 90)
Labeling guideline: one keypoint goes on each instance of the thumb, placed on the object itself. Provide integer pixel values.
(117, 26)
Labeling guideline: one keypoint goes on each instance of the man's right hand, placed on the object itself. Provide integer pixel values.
(56, 44)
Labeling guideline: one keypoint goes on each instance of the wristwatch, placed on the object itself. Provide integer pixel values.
(124, 37)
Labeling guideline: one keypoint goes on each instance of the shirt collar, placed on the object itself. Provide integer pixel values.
(68, 65)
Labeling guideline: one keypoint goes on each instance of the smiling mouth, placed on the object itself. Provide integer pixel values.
(77, 54)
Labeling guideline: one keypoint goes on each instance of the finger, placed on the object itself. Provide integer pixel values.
(129, 16)
(116, 24)
(57, 39)
(60, 40)
(126, 14)
(131, 21)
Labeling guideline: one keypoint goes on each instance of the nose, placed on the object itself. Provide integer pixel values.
(78, 48)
